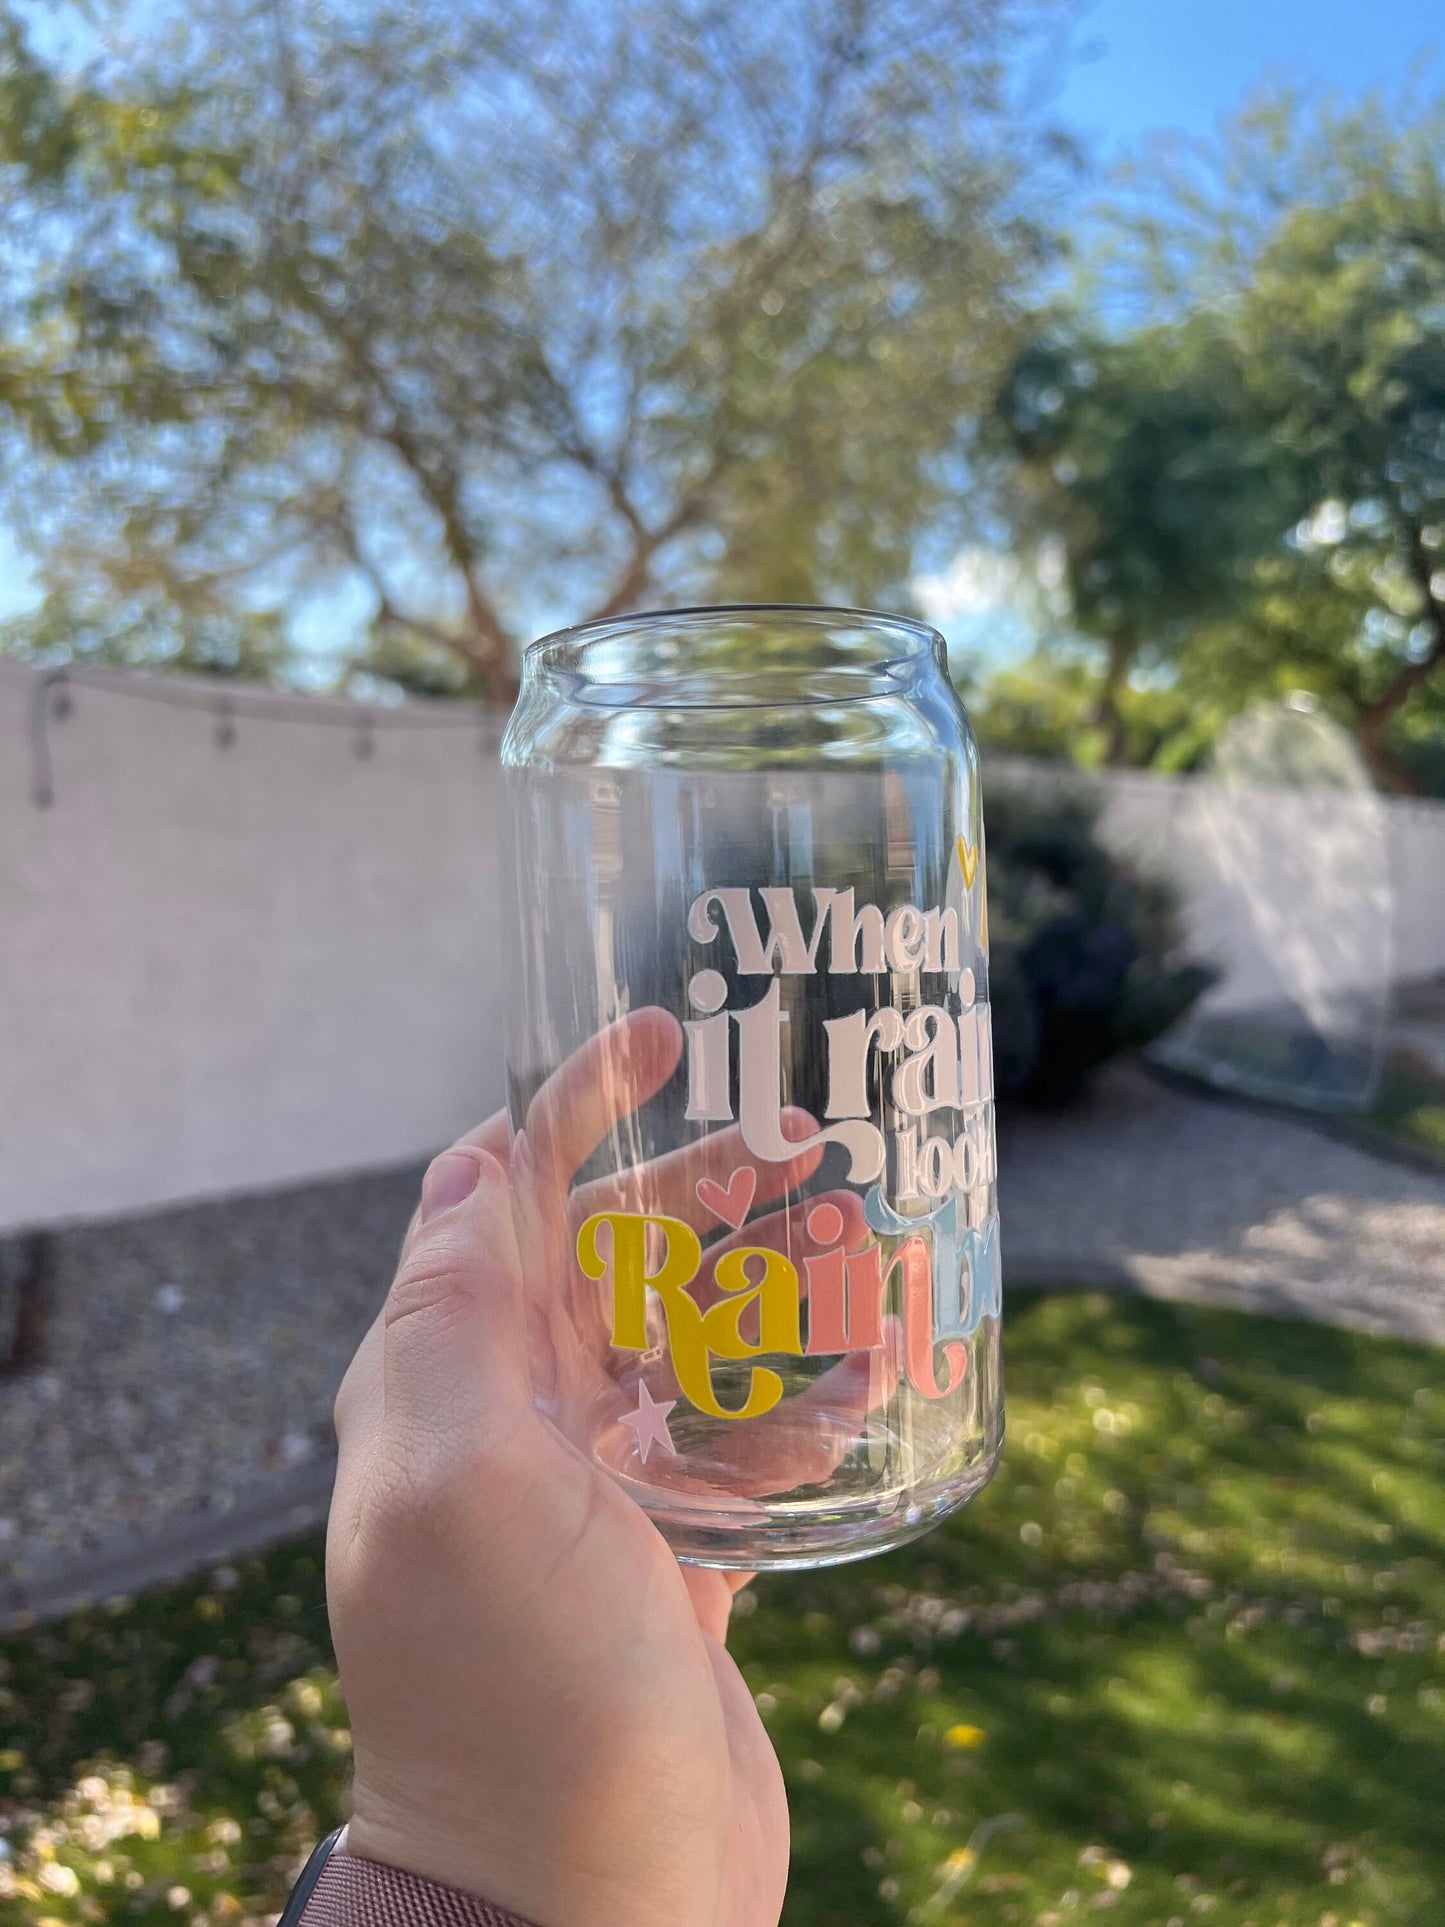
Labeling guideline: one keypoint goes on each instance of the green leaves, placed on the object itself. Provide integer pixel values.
(38, 132)
(1138, 453)
(1248, 482)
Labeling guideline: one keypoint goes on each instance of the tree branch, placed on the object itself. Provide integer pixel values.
(388, 611)
(637, 571)
(441, 487)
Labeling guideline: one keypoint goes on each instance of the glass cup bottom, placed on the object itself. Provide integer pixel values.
(805, 1533)
(833, 1535)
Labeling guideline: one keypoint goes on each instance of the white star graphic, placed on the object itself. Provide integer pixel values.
(649, 1422)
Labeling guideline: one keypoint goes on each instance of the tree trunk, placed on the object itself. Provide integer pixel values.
(1380, 760)
(1375, 717)
(1107, 715)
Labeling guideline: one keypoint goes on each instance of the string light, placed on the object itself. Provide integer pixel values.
(54, 700)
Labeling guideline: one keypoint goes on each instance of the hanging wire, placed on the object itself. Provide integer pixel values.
(53, 700)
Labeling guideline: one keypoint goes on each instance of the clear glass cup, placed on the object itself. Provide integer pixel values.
(750, 1074)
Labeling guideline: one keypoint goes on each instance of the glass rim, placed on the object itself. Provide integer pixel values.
(926, 639)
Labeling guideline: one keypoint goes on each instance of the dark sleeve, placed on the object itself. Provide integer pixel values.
(352, 1892)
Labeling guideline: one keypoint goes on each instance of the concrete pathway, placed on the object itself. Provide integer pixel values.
(1185, 1196)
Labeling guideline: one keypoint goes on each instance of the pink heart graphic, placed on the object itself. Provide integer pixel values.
(731, 1201)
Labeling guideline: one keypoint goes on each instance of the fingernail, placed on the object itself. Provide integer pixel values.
(449, 1179)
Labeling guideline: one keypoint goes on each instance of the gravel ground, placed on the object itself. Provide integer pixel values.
(190, 1360)
(191, 1356)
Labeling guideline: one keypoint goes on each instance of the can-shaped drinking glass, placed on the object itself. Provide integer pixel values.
(750, 1075)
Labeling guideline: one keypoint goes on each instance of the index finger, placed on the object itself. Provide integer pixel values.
(668, 1184)
(600, 1084)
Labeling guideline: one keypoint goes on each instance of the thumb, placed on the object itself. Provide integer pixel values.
(454, 1348)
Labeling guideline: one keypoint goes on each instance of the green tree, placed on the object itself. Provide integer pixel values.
(1324, 236)
(1247, 479)
(1136, 459)
(1047, 707)
(532, 312)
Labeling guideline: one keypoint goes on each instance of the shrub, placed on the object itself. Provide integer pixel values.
(1085, 954)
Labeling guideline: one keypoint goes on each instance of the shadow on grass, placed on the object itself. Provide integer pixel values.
(1203, 1603)
(1181, 1659)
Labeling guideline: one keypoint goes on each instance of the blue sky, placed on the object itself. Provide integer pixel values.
(1145, 65)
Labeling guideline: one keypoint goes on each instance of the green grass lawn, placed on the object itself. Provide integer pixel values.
(1181, 1663)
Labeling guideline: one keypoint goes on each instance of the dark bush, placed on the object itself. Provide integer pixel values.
(1086, 956)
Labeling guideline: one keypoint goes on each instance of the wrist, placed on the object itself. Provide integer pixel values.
(424, 1843)
(538, 1870)
(343, 1889)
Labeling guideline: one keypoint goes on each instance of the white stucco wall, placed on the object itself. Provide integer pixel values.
(224, 968)
(1357, 881)
(1417, 871)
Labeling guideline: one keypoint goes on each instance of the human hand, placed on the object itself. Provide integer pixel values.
(543, 1709)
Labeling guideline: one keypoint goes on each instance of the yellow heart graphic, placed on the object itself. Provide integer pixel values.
(968, 862)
